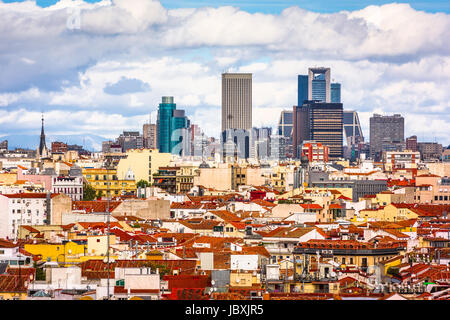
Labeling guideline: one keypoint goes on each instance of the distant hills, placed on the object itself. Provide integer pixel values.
(89, 142)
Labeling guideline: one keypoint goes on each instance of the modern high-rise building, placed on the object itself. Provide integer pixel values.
(172, 127)
(150, 133)
(352, 128)
(302, 89)
(319, 88)
(335, 93)
(285, 126)
(236, 101)
(300, 129)
(386, 134)
(319, 122)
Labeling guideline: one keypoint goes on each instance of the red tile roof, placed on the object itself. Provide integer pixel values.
(7, 244)
(311, 206)
(95, 206)
(186, 205)
(187, 281)
(97, 269)
(12, 283)
(30, 195)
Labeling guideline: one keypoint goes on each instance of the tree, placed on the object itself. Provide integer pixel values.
(99, 194)
(88, 193)
(143, 184)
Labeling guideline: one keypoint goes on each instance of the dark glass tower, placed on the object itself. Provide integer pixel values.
(320, 122)
(302, 89)
(335, 93)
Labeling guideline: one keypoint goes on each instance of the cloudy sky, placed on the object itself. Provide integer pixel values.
(101, 67)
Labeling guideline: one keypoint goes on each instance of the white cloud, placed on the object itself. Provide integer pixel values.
(388, 58)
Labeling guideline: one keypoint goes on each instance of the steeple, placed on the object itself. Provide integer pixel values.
(42, 146)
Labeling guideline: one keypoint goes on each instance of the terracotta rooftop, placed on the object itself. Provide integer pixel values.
(95, 206)
(30, 195)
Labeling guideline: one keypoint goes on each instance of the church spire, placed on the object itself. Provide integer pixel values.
(42, 145)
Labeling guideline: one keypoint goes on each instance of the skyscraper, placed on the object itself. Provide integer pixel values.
(319, 122)
(285, 127)
(302, 89)
(236, 101)
(171, 126)
(300, 129)
(352, 128)
(319, 84)
(386, 134)
(335, 93)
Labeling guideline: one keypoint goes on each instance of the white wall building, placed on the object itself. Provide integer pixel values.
(71, 186)
(21, 209)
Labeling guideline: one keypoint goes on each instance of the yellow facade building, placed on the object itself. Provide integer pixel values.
(391, 212)
(99, 178)
(143, 163)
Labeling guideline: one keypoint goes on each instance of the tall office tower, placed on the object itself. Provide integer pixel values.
(335, 92)
(411, 143)
(319, 88)
(236, 101)
(172, 127)
(352, 128)
(302, 89)
(386, 134)
(300, 129)
(285, 126)
(150, 133)
(319, 122)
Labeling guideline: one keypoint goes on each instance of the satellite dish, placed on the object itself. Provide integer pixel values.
(213, 282)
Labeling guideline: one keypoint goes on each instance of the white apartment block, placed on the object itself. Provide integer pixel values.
(21, 209)
(70, 186)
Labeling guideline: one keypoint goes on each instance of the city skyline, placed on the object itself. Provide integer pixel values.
(101, 93)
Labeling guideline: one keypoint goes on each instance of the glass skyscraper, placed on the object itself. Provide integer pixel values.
(319, 84)
(352, 128)
(171, 124)
(302, 89)
(335, 93)
(319, 87)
